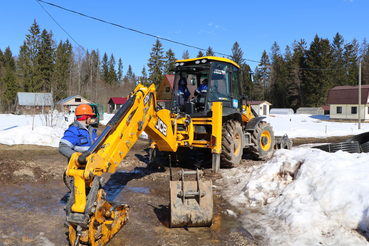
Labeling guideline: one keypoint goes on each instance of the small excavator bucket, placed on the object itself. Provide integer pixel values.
(283, 142)
(191, 202)
(106, 221)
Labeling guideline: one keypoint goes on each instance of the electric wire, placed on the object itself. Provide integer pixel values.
(151, 35)
(134, 30)
(60, 26)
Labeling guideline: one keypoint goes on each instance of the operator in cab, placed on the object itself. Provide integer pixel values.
(80, 135)
(202, 89)
(183, 93)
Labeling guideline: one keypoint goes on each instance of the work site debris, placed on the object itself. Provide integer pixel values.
(355, 144)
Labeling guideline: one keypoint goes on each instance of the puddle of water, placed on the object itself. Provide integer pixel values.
(9, 128)
(144, 190)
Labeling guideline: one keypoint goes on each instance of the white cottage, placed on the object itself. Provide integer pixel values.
(260, 107)
(344, 102)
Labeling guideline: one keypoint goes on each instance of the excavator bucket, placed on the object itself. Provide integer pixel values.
(106, 221)
(191, 202)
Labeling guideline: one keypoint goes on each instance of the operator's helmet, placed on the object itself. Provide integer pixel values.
(182, 81)
(84, 109)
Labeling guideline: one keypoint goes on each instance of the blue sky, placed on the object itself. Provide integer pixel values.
(254, 24)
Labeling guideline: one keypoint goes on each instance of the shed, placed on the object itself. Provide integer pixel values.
(281, 111)
(115, 103)
(311, 111)
(261, 107)
(70, 104)
(31, 102)
(344, 102)
(164, 94)
(326, 109)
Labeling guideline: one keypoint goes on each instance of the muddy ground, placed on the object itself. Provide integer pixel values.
(33, 196)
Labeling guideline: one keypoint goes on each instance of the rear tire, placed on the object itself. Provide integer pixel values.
(232, 146)
(263, 142)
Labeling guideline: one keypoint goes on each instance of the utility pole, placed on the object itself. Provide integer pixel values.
(359, 96)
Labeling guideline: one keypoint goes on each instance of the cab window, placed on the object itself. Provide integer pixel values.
(218, 86)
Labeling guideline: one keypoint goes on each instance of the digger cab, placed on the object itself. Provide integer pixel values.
(223, 85)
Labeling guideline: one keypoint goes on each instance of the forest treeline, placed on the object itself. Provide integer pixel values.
(301, 76)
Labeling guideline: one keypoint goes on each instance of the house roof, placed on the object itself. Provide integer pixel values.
(34, 99)
(118, 100)
(325, 107)
(348, 95)
(170, 78)
(259, 102)
(68, 98)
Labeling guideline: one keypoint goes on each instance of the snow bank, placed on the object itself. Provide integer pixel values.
(305, 197)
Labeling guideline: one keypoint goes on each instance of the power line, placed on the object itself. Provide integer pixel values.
(60, 26)
(134, 30)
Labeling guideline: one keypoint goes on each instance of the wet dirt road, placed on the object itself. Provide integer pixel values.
(33, 196)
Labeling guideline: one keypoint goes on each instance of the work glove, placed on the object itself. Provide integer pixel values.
(82, 158)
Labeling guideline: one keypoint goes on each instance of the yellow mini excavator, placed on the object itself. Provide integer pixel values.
(215, 119)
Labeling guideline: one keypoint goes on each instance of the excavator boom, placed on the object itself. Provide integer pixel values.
(93, 220)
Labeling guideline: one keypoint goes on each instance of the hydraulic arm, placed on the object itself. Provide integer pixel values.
(93, 220)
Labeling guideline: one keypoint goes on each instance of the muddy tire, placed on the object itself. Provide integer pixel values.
(263, 142)
(231, 144)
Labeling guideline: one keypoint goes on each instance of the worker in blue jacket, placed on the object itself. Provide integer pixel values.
(202, 89)
(77, 138)
(183, 93)
(80, 135)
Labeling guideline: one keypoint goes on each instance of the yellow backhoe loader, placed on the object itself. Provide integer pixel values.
(216, 119)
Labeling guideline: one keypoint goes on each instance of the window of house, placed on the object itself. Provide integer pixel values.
(339, 110)
(77, 99)
(167, 89)
(353, 110)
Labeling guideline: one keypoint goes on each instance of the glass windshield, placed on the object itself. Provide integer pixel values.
(218, 87)
(187, 80)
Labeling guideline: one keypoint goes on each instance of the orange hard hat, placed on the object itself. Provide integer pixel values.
(84, 109)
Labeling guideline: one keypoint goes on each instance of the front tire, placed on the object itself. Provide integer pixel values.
(263, 142)
(232, 145)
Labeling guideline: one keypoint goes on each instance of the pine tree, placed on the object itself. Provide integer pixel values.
(9, 81)
(28, 59)
(364, 62)
(112, 78)
(105, 68)
(209, 52)
(237, 54)
(350, 59)
(264, 75)
(258, 90)
(200, 54)
(245, 70)
(143, 78)
(339, 76)
(186, 55)
(63, 55)
(120, 71)
(297, 64)
(131, 77)
(45, 59)
(246, 82)
(156, 63)
(170, 62)
(278, 78)
(318, 75)
(2, 68)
